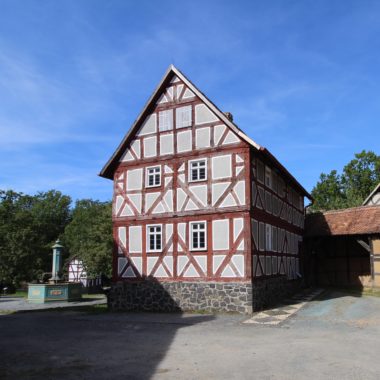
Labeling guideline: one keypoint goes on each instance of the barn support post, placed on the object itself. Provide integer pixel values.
(375, 260)
(346, 238)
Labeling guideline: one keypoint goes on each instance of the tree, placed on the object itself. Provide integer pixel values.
(359, 178)
(29, 225)
(88, 236)
(361, 175)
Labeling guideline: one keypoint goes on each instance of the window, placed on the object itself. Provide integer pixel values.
(154, 238)
(268, 177)
(198, 236)
(183, 117)
(300, 202)
(262, 236)
(197, 170)
(268, 202)
(260, 171)
(281, 187)
(268, 234)
(153, 176)
(165, 120)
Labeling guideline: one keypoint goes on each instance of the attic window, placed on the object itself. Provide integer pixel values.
(183, 117)
(165, 120)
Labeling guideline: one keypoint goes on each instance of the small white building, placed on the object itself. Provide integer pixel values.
(77, 272)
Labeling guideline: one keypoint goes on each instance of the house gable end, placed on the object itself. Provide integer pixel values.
(177, 118)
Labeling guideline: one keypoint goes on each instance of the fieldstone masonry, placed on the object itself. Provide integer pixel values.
(151, 295)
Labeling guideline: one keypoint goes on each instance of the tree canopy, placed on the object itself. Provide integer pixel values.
(350, 188)
(30, 224)
(89, 236)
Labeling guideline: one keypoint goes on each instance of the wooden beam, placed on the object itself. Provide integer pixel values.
(364, 245)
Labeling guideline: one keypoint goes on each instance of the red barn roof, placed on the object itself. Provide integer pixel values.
(351, 221)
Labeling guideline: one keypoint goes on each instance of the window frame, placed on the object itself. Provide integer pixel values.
(154, 174)
(148, 233)
(189, 174)
(191, 224)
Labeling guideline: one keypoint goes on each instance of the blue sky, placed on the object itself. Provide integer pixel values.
(300, 77)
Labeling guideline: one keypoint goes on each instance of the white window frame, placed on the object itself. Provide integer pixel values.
(191, 162)
(181, 121)
(147, 175)
(165, 120)
(192, 248)
(268, 237)
(149, 233)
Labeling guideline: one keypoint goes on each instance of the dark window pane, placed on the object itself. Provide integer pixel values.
(195, 240)
(202, 173)
(151, 244)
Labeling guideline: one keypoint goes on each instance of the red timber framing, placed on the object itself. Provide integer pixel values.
(177, 261)
(175, 178)
(178, 126)
(277, 210)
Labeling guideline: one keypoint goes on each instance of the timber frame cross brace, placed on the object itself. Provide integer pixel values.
(364, 245)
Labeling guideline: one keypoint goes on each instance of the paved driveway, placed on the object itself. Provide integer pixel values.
(336, 336)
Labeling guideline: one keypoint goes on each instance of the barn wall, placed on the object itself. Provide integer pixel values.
(337, 261)
(375, 246)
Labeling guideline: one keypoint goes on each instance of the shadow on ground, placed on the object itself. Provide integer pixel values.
(88, 342)
(72, 344)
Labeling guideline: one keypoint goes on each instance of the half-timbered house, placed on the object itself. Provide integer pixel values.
(201, 212)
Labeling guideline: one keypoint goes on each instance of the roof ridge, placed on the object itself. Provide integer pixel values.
(347, 209)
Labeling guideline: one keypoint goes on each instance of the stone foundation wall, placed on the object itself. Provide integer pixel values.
(269, 291)
(152, 295)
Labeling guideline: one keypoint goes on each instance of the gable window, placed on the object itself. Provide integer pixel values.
(183, 117)
(153, 176)
(198, 236)
(154, 238)
(165, 120)
(197, 170)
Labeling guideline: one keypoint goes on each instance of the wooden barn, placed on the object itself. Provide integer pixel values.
(204, 217)
(343, 247)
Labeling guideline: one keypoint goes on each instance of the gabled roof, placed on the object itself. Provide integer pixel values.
(351, 221)
(172, 71)
(374, 191)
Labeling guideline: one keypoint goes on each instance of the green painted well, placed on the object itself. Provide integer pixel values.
(67, 291)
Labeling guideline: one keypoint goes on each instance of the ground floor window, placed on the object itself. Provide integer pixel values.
(154, 238)
(198, 236)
